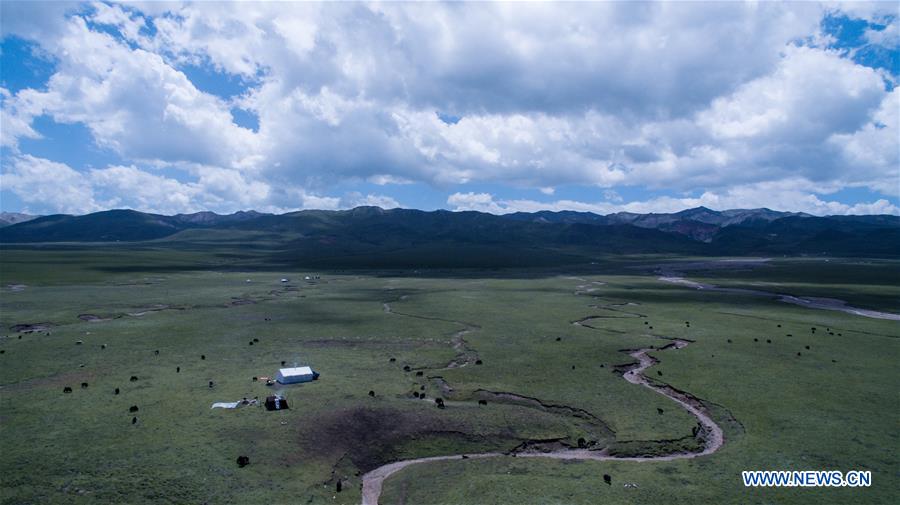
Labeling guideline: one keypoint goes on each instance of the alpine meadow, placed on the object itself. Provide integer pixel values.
(451, 253)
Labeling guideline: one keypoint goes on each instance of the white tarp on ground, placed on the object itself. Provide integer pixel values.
(295, 375)
(225, 405)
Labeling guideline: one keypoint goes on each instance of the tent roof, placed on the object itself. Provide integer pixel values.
(300, 370)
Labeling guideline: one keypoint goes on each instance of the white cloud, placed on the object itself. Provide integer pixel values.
(658, 95)
(773, 196)
(49, 185)
(355, 199)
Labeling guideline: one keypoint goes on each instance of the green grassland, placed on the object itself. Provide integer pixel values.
(835, 406)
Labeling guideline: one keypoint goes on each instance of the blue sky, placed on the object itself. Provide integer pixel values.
(594, 107)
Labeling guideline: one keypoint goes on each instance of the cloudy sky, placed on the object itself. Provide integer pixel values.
(181, 107)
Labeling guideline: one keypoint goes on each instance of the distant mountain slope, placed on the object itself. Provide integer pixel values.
(370, 235)
(698, 223)
(10, 218)
(834, 235)
(106, 226)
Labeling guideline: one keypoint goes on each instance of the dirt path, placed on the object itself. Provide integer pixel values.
(803, 301)
(465, 355)
(713, 434)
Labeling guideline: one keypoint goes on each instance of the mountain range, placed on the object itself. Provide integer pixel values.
(373, 236)
(10, 218)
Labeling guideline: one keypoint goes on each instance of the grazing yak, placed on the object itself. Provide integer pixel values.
(243, 461)
(67, 389)
(84, 385)
(607, 479)
(133, 409)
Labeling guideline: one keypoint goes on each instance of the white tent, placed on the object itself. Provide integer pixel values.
(295, 375)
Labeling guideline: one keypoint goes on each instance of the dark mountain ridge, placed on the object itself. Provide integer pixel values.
(375, 231)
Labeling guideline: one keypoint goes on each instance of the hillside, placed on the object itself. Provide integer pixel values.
(371, 236)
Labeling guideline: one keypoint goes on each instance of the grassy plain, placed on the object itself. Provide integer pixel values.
(835, 406)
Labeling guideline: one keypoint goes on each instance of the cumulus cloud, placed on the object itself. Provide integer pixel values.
(665, 96)
(783, 197)
(51, 185)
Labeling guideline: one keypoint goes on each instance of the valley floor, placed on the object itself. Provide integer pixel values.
(527, 364)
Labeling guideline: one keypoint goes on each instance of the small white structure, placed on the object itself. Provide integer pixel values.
(296, 375)
(284, 280)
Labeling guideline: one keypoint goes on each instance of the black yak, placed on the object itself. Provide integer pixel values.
(607, 479)
(243, 461)
(133, 408)
(84, 385)
(372, 393)
(67, 389)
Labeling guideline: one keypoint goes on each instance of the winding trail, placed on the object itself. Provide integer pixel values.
(710, 432)
(803, 301)
(465, 355)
